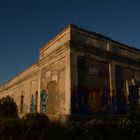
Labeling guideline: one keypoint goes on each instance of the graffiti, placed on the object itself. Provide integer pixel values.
(133, 98)
(121, 102)
(86, 102)
(92, 94)
(32, 106)
(105, 101)
(98, 101)
(114, 109)
(43, 101)
(79, 101)
(94, 101)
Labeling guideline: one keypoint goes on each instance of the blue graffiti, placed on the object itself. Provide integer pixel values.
(32, 106)
(43, 101)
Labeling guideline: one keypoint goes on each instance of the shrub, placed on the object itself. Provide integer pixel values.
(134, 115)
(35, 120)
(10, 128)
(8, 107)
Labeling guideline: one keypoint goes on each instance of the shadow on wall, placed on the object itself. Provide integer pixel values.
(99, 102)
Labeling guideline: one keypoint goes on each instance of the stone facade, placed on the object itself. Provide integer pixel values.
(78, 73)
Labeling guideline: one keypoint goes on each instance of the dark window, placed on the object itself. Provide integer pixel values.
(21, 104)
(32, 106)
(36, 101)
(43, 101)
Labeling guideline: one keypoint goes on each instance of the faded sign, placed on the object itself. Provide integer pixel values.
(93, 71)
(48, 74)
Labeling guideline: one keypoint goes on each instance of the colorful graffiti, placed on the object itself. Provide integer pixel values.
(88, 102)
(133, 98)
(98, 101)
(118, 103)
(43, 101)
(94, 101)
(114, 109)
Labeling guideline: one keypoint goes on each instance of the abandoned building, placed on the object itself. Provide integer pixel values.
(78, 73)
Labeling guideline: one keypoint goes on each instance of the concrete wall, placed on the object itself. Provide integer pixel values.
(56, 43)
(54, 73)
(101, 56)
(55, 81)
(74, 58)
(25, 84)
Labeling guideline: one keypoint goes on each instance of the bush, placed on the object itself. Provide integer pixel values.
(134, 115)
(8, 107)
(37, 127)
(11, 129)
(35, 120)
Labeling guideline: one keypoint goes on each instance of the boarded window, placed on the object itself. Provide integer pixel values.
(52, 97)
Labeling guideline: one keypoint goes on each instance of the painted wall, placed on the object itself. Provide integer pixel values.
(91, 96)
(78, 72)
(53, 86)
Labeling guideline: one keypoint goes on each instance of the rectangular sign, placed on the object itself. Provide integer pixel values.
(93, 71)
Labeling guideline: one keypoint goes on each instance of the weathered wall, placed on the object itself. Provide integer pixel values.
(77, 73)
(85, 38)
(25, 84)
(55, 86)
(56, 43)
(92, 84)
(53, 82)
(96, 40)
(105, 56)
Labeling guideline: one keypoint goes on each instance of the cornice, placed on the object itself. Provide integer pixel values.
(108, 55)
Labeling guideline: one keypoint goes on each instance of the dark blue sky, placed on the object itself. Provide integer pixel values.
(25, 25)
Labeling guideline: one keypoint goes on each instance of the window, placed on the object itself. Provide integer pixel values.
(116, 49)
(32, 106)
(21, 104)
(36, 101)
(43, 101)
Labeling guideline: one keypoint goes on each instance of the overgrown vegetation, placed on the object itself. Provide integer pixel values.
(36, 126)
(8, 107)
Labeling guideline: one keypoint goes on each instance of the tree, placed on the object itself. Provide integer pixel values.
(8, 107)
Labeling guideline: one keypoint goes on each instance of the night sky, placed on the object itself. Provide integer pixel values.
(26, 25)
